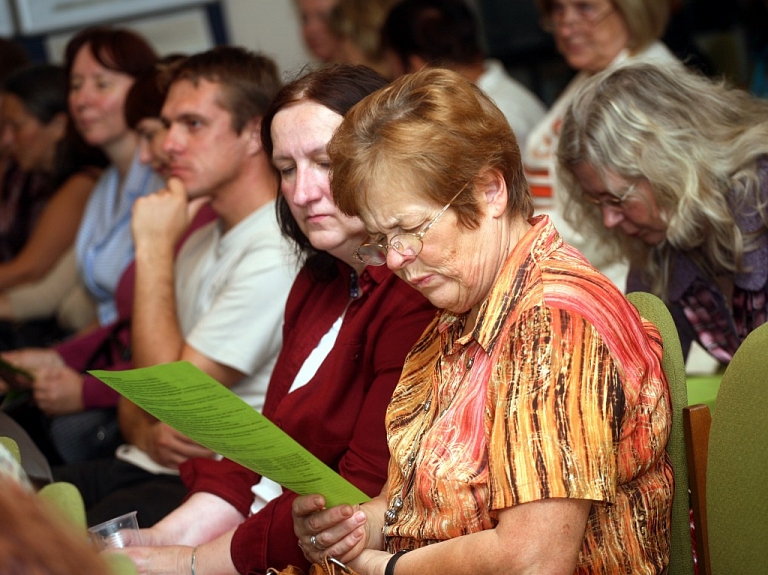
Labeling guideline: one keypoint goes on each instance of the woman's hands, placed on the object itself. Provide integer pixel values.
(169, 560)
(342, 532)
(153, 558)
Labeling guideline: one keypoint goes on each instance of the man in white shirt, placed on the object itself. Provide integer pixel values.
(444, 33)
(220, 304)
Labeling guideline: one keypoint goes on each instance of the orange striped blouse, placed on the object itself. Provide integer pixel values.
(558, 392)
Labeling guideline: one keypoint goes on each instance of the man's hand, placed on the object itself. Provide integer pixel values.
(58, 390)
(170, 448)
(160, 219)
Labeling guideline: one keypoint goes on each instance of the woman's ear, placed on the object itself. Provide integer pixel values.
(494, 188)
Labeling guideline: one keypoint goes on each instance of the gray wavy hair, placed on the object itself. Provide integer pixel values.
(696, 141)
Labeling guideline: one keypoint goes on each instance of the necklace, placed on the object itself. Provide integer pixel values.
(390, 517)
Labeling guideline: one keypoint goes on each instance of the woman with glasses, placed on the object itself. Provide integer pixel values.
(348, 328)
(592, 35)
(527, 432)
(670, 170)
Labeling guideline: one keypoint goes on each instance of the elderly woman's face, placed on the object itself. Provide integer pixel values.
(588, 33)
(457, 266)
(300, 136)
(628, 206)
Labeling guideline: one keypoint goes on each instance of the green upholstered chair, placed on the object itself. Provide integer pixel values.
(654, 310)
(11, 445)
(120, 564)
(66, 499)
(737, 463)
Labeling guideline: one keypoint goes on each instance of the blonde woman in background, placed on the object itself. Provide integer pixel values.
(670, 170)
(592, 35)
(358, 24)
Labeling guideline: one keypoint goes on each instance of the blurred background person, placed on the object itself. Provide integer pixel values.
(357, 23)
(319, 38)
(43, 144)
(101, 65)
(670, 170)
(444, 33)
(12, 179)
(591, 35)
(74, 419)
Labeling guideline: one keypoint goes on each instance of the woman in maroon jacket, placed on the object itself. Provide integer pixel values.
(347, 331)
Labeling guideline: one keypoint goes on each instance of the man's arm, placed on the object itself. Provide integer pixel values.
(158, 222)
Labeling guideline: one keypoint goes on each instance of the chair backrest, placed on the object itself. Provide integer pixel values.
(654, 310)
(12, 447)
(737, 463)
(66, 498)
(32, 459)
(697, 420)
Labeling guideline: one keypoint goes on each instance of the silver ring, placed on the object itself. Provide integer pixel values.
(313, 541)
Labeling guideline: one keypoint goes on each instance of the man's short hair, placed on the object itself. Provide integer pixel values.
(249, 81)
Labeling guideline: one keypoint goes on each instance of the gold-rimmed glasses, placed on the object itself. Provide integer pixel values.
(406, 244)
(585, 15)
(611, 201)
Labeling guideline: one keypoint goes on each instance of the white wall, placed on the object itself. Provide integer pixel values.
(268, 26)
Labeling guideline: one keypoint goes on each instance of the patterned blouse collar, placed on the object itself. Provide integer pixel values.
(513, 283)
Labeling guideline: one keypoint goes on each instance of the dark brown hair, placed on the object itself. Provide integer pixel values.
(248, 80)
(338, 88)
(146, 96)
(116, 49)
(433, 131)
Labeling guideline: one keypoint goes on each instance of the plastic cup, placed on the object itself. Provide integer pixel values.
(116, 533)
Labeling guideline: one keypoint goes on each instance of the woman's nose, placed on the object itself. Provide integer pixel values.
(306, 189)
(612, 217)
(396, 260)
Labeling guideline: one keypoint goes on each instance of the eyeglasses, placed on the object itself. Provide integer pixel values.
(586, 15)
(409, 245)
(610, 201)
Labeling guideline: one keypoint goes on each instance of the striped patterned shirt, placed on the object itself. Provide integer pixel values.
(558, 392)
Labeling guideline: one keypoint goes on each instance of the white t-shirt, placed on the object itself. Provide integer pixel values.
(522, 108)
(231, 292)
(230, 297)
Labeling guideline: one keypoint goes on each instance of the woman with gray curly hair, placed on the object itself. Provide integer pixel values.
(670, 170)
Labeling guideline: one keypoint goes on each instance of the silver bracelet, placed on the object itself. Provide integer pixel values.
(192, 564)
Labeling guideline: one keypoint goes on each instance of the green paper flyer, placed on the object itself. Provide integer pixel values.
(187, 399)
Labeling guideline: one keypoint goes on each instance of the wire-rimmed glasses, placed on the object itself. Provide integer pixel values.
(611, 201)
(586, 15)
(374, 253)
